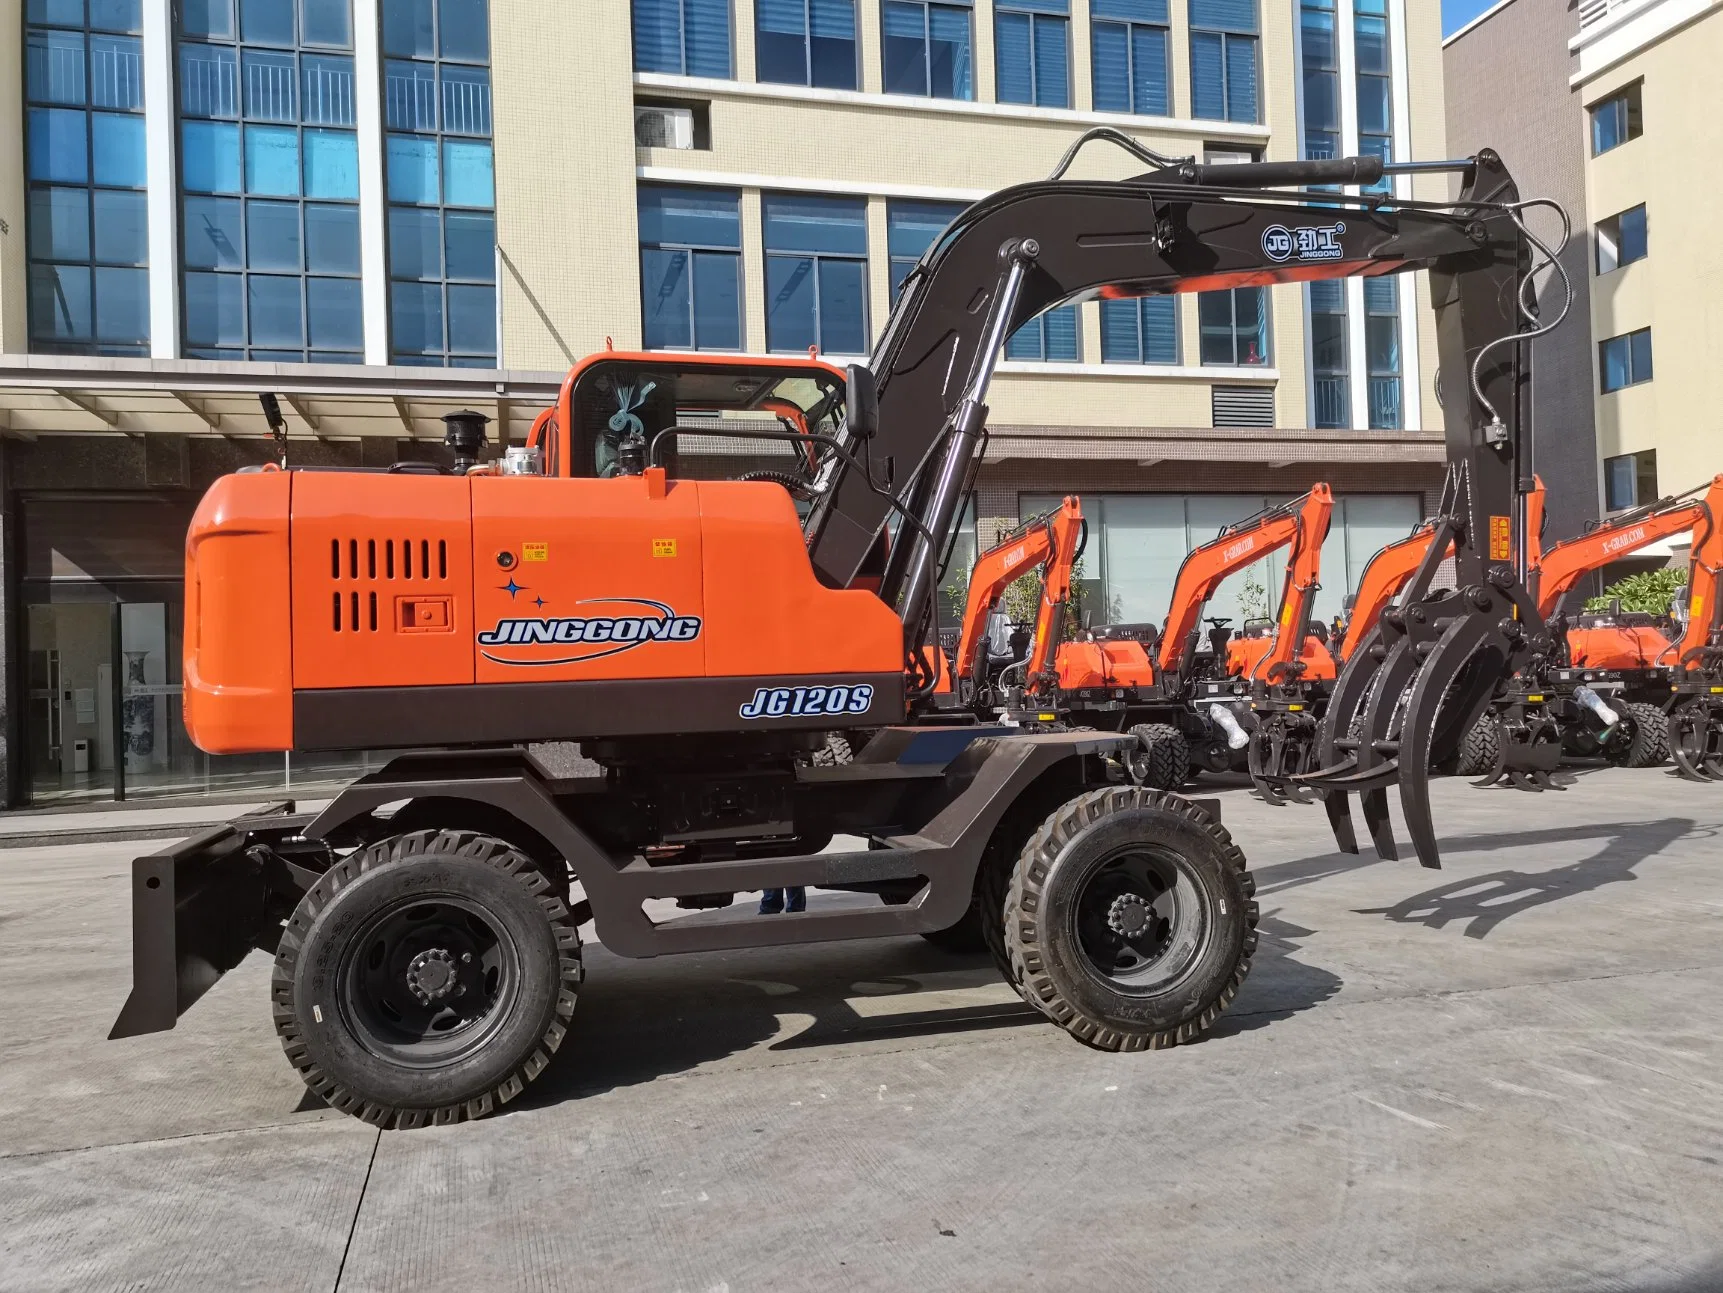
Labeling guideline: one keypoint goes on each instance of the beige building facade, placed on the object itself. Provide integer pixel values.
(384, 210)
(1645, 71)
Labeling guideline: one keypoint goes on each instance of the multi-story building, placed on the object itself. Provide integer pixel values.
(1507, 75)
(1641, 72)
(386, 209)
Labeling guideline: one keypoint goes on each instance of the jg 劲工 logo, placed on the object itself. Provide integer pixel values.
(1307, 242)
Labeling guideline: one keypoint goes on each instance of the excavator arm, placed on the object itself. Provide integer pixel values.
(1303, 575)
(1053, 541)
(1563, 564)
(1203, 569)
(916, 415)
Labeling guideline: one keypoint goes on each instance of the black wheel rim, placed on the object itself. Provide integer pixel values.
(429, 981)
(1139, 921)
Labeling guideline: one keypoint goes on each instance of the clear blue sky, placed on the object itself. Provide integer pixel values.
(1457, 13)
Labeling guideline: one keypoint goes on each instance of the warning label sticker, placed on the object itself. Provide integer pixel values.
(664, 547)
(535, 552)
(1501, 538)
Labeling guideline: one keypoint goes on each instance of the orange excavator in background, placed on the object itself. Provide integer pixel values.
(1052, 541)
(1186, 705)
(1603, 685)
(1695, 714)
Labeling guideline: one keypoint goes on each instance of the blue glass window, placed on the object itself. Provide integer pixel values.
(1382, 351)
(690, 268)
(1050, 337)
(85, 238)
(682, 37)
(1032, 47)
(1224, 35)
(927, 49)
(1321, 79)
(1329, 364)
(1625, 360)
(441, 182)
(1375, 101)
(1130, 41)
(911, 228)
(1616, 120)
(1233, 324)
(1142, 331)
(816, 273)
(806, 42)
(269, 173)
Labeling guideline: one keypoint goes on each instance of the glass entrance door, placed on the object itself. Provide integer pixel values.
(69, 729)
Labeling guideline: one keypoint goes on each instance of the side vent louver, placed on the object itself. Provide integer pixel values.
(358, 566)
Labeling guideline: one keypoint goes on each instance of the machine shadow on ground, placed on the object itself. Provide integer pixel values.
(1483, 902)
(636, 1024)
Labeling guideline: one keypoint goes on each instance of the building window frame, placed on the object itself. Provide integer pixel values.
(827, 73)
(714, 256)
(1629, 480)
(1330, 360)
(910, 232)
(86, 226)
(1382, 356)
(1055, 336)
(1621, 239)
(1133, 29)
(652, 22)
(1224, 41)
(947, 14)
(453, 126)
(1215, 323)
(1624, 360)
(787, 266)
(247, 97)
(1130, 334)
(1617, 119)
(1046, 25)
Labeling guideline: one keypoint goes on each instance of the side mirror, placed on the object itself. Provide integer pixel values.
(861, 402)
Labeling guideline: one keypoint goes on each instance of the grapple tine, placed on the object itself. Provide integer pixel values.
(1259, 758)
(1439, 681)
(1339, 810)
(1375, 804)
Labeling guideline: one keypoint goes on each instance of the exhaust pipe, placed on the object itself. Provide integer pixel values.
(1592, 701)
(1236, 737)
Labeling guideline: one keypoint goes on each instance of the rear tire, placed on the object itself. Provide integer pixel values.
(1480, 749)
(426, 979)
(1648, 743)
(1132, 919)
(833, 754)
(1162, 759)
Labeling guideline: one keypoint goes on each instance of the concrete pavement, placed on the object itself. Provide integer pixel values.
(1504, 1075)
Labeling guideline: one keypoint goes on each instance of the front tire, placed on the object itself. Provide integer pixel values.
(426, 978)
(1131, 919)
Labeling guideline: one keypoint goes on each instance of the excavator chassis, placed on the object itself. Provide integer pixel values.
(928, 800)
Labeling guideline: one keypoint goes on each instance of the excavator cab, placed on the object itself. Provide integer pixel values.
(614, 405)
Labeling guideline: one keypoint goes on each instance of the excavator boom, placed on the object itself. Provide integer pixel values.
(1052, 541)
(1203, 569)
(1303, 576)
(1562, 565)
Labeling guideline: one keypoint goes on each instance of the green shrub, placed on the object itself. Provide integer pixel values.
(1650, 591)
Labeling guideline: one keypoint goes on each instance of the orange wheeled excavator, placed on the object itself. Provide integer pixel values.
(697, 635)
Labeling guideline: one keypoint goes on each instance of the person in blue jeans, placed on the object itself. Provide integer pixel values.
(773, 901)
